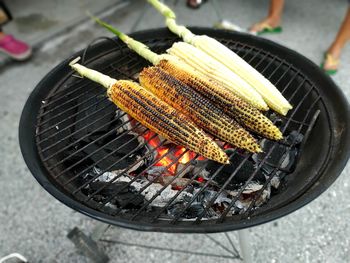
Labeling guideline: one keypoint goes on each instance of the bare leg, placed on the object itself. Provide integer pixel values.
(274, 16)
(338, 44)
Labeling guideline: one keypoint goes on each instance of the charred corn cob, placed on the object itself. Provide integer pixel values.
(155, 114)
(212, 69)
(227, 57)
(232, 105)
(251, 117)
(205, 114)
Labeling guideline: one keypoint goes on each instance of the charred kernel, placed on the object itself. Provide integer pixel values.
(191, 103)
(162, 119)
(232, 105)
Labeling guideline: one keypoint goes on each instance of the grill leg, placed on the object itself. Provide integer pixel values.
(99, 231)
(244, 243)
(87, 245)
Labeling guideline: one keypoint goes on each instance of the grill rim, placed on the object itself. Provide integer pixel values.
(341, 142)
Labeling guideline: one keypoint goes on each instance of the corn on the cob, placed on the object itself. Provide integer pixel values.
(205, 65)
(205, 114)
(155, 114)
(227, 57)
(232, 105)
(266, 89)
(246, 114)
(212, 69)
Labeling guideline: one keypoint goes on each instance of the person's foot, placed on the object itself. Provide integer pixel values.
(195, 3)
(330, 63)
(14, 48)
(269, 24)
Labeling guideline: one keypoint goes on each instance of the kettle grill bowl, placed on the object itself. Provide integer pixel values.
(323, 157)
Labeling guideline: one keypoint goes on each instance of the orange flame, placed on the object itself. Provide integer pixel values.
(169, 159)
(165, 160)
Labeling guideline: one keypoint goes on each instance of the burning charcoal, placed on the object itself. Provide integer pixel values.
(156, 171)
(194, 210)
(245, 171)
(178, 183)
(264, 196)
(153, 190)
(123, 118)
(129, 200)
(207, 195)
(74, 158)
(276, 119)
(107, 176)
(251, 194)
(175, 210)
(126, 198)
(260, 199)
(184, 169)
(275, 182)
(252, 187)
(97, 156)
(281, 156)
(104, 160)
(163, 198)
(274, 158)
(73, 151)
(200, 168)
(108, 189)
(294, 138)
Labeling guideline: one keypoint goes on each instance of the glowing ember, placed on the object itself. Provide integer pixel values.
(200, 179)
(154, 142)
(166, 160)
(173, 159)
(228, 146)
(169, 160)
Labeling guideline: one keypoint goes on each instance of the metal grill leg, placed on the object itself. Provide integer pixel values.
(244, 243)
(87, 245)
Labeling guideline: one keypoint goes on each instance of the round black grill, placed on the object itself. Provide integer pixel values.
(97, 160)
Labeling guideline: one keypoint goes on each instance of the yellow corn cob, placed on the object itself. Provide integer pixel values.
(263, 86)
(198, 108)
(232, 105)
(196, 58)
(155, 114)
(255, 121)
(227, 57)
(214, 70)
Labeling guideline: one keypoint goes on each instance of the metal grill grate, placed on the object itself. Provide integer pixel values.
(76, 132)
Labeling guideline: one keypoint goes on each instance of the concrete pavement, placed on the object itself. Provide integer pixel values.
(35, 224)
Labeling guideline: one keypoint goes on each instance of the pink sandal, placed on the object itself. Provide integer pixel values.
(14, 48)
